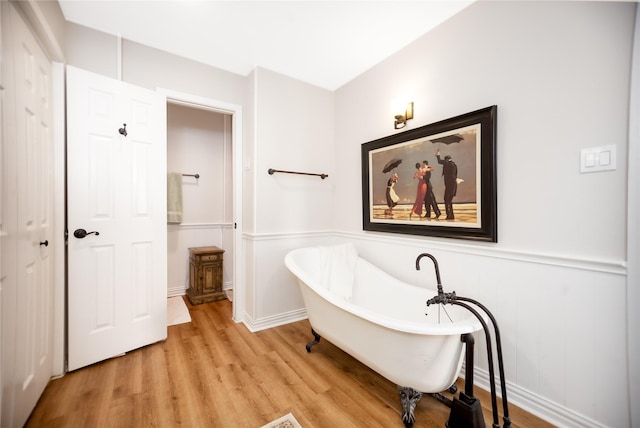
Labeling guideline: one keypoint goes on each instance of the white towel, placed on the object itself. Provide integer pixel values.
(338, 265)
(174, 198)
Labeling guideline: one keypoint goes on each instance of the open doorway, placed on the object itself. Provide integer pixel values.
(204, 138)
(199, 156)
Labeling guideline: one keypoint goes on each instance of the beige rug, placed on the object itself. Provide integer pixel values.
(287, 421)
(177, 312)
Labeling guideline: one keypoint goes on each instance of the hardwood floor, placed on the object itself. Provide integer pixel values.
(213, 372)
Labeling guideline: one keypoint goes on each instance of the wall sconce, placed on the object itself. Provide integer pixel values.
(401, 117)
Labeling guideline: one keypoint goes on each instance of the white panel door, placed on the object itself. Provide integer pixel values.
(27, 222)
(116, 187)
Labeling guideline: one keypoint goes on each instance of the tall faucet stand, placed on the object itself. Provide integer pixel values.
(466, 410)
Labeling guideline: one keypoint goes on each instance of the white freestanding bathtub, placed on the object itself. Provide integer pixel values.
(380, 320)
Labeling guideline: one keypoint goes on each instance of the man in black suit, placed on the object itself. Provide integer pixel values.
(450, 174)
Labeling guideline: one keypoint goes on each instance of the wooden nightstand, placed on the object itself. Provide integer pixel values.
(205, 275)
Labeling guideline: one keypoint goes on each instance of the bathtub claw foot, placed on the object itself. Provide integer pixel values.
(409, 398)
(313, 342)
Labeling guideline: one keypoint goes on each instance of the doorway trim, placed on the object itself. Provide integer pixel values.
(235, 111)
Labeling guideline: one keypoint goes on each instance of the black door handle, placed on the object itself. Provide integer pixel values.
(81, 233)
(45, 243)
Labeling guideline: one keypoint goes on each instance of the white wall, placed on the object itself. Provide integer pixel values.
(557, 91)
(294, 131)
(559, 73)
(91, 50)
(150, 68)
(198, 141)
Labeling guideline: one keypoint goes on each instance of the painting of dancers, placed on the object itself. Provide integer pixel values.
(435, 180)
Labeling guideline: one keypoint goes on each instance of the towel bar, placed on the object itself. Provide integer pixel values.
(271, 171)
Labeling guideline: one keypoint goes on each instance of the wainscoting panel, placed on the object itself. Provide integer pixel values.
(562, 319)
(273, 294)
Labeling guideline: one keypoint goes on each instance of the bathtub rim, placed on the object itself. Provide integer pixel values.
(469, 325)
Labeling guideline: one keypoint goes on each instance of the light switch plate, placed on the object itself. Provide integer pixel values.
(596, 159)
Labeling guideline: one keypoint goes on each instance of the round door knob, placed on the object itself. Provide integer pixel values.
(45, 243)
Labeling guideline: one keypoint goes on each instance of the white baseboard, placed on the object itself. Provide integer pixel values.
(274, 321)
(181, 291)
(176, 291)
(535, 404)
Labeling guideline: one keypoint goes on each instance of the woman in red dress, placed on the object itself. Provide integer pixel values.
(420, 175)
(421, 192)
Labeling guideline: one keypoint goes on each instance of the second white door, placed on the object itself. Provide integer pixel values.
(26, 220)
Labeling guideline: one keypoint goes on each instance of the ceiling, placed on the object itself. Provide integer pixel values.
(325, 43)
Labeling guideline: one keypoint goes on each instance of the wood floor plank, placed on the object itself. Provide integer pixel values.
(214, 372)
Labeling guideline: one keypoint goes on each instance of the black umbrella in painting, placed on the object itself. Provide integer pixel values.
(448, 139)
(393, 163)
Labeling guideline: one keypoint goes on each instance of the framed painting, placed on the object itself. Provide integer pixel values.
(436, 180)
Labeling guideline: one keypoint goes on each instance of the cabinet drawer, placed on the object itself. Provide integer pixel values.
(208, 257)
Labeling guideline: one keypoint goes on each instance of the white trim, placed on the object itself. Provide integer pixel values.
(616, 267)
(59, 354)
(181, 290)
(196, 101)
(633, 233)
(249, 164)
(533, 403)
(176, 291)
(257, 237)
(202, 225)
(37, 20)
(274, 320)
(119, 56)
(225, 152)
(254, 150)
(190, 100)
(2, 233)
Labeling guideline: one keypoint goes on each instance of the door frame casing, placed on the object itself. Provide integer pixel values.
(235, 111)
(59, 354)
